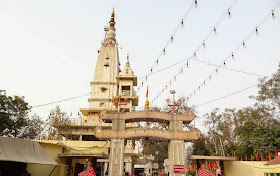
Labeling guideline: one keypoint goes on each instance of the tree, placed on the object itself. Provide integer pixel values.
(200, 147)
(59, 123)
(251, 129)
(14, 120)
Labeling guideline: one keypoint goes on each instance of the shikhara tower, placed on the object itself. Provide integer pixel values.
(107, 83)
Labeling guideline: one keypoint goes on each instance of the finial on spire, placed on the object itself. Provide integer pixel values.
(127, 60)
(112, 22)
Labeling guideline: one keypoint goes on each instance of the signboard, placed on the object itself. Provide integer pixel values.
(88, 172)
(179, 169)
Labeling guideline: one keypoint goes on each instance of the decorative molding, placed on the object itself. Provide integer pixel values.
(107, 83)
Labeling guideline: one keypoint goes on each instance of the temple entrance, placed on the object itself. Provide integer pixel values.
(175, 135)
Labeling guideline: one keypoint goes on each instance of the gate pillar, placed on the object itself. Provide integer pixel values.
(116, 160)
(176, 151)
(177, 157)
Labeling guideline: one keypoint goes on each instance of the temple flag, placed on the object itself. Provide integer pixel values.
(262, 157)
(269, 156)
(246, 158)
(257, 157)
(214, 165)
(241, 159)
(276, 154)
(252, 159)
(147, 93)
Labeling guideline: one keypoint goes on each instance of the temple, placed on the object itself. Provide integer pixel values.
(104, 136)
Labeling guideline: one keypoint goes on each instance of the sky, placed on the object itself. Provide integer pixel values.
(48, 49)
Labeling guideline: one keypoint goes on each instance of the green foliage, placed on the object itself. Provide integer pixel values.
(200, 148)
(250, 129)
(191, 172)
(14, 120)
(59, 123)
(159, 149)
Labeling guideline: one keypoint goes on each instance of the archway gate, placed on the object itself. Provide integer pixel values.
(175, 135)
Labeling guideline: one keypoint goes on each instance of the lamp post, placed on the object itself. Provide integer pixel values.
(174, 103)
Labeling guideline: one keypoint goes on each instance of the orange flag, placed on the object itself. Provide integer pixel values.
(246, 158)
(147, 93)
(269, 156)
(276, 154)
(262, 157)
(214, 165)
(236, 158)
(241, 159)
(252, 159)
(257, 158)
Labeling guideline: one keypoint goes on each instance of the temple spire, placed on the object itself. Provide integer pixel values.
(111, 35)
(112, 22)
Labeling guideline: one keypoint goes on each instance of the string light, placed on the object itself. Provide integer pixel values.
(187, 64)
(247, 37)
(272, 14)
(171, 39)
(229, 14)
(244, 46)
(203, 44)
(151, 70)
(243, 42)
(194, 54)
(195, 3)
(232, 56)
(257, 31)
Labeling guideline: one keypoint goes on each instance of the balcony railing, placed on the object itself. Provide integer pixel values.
(133, 149)
(83, 122)
(125, 92)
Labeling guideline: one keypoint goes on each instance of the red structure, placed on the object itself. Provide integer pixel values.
(119, 102)
(174, 103)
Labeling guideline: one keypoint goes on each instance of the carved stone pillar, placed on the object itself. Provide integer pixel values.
(176, 149)
(116, 160)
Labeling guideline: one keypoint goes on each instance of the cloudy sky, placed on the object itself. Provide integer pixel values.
(48, 49)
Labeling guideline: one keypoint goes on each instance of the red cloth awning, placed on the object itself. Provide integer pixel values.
(276, 160)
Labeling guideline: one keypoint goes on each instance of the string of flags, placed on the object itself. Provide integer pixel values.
(257, 157)
(216, 71)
